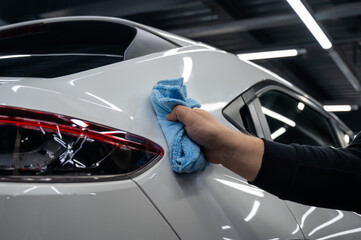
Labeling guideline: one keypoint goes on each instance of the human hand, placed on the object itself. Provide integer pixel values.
(203, 129)
(220, 145)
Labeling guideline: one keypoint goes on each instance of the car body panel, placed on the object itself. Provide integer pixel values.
(105, 210)
(212, 204)
(217, 204)
(83, 94)
(321, 223)
(126, 108)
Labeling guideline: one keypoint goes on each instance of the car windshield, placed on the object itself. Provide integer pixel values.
(56, 49)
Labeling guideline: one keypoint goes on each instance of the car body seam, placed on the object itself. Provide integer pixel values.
(158, 210)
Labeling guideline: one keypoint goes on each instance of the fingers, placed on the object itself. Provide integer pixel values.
(171, 116)
(179, 113)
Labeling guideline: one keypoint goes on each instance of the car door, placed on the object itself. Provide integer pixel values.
(282, 114)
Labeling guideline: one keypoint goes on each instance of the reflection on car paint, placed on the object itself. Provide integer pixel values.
(213, 106)
(190, 49)
(355, 230)
(303, 219)
(242, 187)
(110, 105)
(17, 87)
(71, 82)
(332, 221)
(187, 68)
(254, 210)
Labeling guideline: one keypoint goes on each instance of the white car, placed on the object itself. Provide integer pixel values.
(82, 155)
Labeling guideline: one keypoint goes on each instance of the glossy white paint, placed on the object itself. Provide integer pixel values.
(213, 204)
(108, 210)
(320, 223)
(216, 204)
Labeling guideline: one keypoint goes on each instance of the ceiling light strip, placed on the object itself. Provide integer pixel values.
(310, 23)
(268, 54)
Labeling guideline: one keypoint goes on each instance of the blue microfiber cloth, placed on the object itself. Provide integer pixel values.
(185, 155)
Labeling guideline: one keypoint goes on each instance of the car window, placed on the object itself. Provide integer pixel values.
(55, 49)
(292, 121)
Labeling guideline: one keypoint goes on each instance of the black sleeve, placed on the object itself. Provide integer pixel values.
(318, 176)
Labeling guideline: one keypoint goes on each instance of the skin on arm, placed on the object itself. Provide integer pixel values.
(236, 151)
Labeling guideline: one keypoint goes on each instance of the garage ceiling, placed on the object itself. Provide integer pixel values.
(331, 76)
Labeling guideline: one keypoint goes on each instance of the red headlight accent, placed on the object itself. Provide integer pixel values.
(34, 143)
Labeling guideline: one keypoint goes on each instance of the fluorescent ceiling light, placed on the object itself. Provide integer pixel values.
(310, 23)
(337, 108)
(268, 54)
(278, 116)
(14, 56)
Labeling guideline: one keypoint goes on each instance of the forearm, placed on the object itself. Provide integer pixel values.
(318, 176)
(245, 156)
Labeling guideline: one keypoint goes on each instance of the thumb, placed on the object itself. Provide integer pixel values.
(179, 113)
(171, 116)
